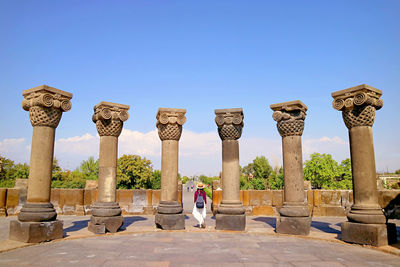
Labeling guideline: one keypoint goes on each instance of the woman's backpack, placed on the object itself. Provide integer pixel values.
(200, 201)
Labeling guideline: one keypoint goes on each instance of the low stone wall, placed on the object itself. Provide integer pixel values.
(79, 201)
(320, 202)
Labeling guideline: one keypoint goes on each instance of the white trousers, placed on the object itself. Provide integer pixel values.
(199, 214)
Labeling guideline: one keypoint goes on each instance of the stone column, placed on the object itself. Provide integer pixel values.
(106, 213)
(230, 213)
(367, 223)
(169, 212)
(294, 215)
(37, 219)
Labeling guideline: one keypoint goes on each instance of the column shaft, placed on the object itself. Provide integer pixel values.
(39, 183)
(230, 171)
(293, 169)
(169, 170)
(108, 168)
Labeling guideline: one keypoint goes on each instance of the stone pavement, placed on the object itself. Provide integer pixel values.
(141, 244)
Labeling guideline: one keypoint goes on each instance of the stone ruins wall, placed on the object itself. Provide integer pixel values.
(256, 202)
(79, 201)
(320, 202)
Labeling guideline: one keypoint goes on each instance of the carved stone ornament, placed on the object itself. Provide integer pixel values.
(45, 105)
(230, 123)
(169, 123)
(358, 105)
(290, 117)
(109, 118)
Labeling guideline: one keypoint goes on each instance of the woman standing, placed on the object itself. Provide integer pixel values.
(200, 205)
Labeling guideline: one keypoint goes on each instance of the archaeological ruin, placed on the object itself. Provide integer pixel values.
(294, 206)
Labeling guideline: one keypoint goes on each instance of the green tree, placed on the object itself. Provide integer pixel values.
(325, 173)
(397, 171)
(262, 169)
(156, 180)
(90, 168)
(133, 172)
(276, 180)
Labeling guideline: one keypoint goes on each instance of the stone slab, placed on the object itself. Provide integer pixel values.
(293, 225)
(230, 222)
(170, 221)
(35, 232)
(369, 234)
(97, 228)
(111, 224)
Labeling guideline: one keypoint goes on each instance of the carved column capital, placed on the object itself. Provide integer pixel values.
(290, 117)
(109, 118)
(45, 105)
(358, 105)
(169, 123)
(230, 123)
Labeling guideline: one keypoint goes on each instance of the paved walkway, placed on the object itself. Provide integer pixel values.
(141, 244)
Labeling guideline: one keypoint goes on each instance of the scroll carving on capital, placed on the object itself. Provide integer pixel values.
(169, 123)
(109, 118)
(290, 117)
(358, 105)
(45, 105)
(230, 123)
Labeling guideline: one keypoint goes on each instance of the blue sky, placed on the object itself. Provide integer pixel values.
(199, 55)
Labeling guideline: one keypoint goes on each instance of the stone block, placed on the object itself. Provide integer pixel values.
(330, 197)
(139, 201)
(89, 198)
(293, 225)
(12, 204)
(262, 210)
(170, 221)
(97, 228)
(277, 198)
(69, 198)
(156, 197)
(317, 198)
(230, 222)
(35, 232)
(3, 201)
(79, 210)
(55, 199)
(124, 195)
(369, 234)
(346, 198)
(335, 211)
(319, 211)
(180, 195)
(111, 224)
(246, 197)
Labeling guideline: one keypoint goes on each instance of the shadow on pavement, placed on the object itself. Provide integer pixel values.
(76, 226)
(130, 220)
(324, 227)
(269, 220)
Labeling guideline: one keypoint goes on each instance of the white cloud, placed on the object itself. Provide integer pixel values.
(336, 146)
(15, 149)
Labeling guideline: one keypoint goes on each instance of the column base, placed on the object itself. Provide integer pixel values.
(170, 221)
(101, 225)
(37, 212)
(36, 232)
(233, 222)
(293, 225)
(369, 234)
(366, 215)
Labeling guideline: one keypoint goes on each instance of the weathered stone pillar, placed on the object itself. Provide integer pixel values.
(106, 213)
(37, 219)
(294, 215)
(230, 213)
(169, 212)
(367, 223)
